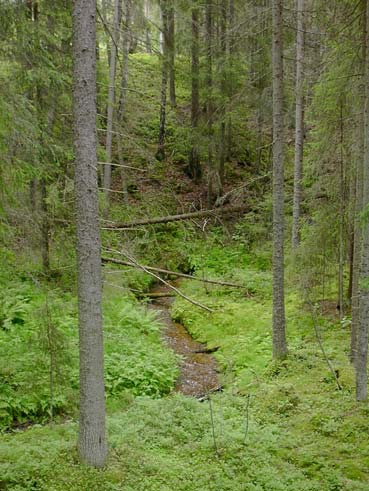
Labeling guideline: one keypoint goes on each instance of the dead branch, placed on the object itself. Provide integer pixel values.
(181, 294)
(174, 273)
(176, 218)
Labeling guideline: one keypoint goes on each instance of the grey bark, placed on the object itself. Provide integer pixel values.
(123, 90)
(356, 261)
(299, 119)
(171, 55)
(92, 439)
(279, 321)
(111, 98)
(342, 224)
(231, 54)
(212, 174)
(147, 29)
(194, 166)
(160, 154)
(223, 90)
(362, 334)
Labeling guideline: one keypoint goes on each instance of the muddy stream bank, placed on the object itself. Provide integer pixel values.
(198, 370)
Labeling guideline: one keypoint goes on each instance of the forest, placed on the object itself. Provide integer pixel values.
(184, 241)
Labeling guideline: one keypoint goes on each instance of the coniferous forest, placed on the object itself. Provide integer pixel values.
(184, 245)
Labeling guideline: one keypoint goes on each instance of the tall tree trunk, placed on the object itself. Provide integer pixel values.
(362, 334)
(194, 166)
(212, 194)
(342, 224)
(231, 54)
(299, 130)
(160, 154)
(147, 28)
(279, 321)
(224, 94)
(356, 261)
(111, 100)
(92, 438)
(45, 229)
(123, 91)
(171, 55)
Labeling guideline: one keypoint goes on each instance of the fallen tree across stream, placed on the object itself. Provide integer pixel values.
(175, 273)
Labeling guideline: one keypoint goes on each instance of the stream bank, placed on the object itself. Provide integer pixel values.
(198, 369)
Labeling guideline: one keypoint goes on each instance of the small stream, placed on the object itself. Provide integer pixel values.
(198, 370)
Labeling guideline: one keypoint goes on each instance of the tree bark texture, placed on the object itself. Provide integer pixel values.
(356, 261)
(111, 98)
(362, 334)
(194, 166)
(160, 154)
(123, 90)
(299, 123)
(92, 440)
(171, 55)
(279, 322)
(212, 174)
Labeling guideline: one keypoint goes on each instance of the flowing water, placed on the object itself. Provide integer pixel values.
(198, 370)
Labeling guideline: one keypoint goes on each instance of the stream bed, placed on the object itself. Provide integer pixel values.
(198, 370)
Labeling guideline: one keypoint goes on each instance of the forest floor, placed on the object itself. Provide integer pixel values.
(275, 427)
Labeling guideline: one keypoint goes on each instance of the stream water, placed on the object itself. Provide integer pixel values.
(198, 370)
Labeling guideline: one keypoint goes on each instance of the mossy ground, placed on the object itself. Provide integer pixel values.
(303, 433)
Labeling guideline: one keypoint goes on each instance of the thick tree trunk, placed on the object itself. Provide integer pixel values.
(362, 334)
(111, 99)
(279, 321)
(92, 440)
(194, 166)
(299, 130)
(356, 261)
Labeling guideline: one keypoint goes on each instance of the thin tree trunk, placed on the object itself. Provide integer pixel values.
(342, 224)
(362, 334)
(111, 99)
(299, 130)
(231, 54)
(147, 28)
(160, 154)
(194, 166)
(171, 55)
(212, 195)
(279, 321)
(223, 91)
(92, 438)
(45, 229)
(123, 91)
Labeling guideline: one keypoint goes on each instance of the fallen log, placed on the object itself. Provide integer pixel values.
(174, 273)
(154, 295)
(176, 218)
(207, 351)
